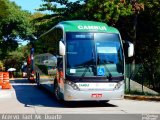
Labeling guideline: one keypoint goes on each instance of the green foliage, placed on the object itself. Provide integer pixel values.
(67, 11)
(149, 40)
(1, 66)
(107, 11)
(14, 23)
(17, 74)
(15, 59)
(41, 23)
(95, 10)
(3, 9)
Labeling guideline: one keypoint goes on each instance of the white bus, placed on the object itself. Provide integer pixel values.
(81, 61)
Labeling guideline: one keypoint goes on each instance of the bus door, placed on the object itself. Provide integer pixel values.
(60, 73)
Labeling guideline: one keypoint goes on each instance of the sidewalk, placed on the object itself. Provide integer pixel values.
(141, 97)
(7, 93)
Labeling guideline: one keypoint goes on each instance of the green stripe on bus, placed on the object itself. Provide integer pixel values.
(86, 26)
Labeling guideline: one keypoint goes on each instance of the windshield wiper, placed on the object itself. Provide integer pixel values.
(87, 67)
(109, 77)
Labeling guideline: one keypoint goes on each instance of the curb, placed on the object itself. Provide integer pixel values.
(146, 98)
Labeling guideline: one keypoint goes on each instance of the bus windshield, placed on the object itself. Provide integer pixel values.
(94, 54)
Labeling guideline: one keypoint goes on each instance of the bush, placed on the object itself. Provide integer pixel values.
(1, 66)
(18, 74)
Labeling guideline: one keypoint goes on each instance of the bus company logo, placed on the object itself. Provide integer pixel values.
(83, 85)
(97, 84)
(85, 27)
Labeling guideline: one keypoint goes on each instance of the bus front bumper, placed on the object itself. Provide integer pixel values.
(75, 95)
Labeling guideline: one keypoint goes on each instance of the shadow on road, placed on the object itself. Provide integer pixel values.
(20, 80)
(30, 95)
(87, 104)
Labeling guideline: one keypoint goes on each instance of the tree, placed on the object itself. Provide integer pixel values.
(3, 8)
(15, 24)
(143, 28)
(148, 36)
(96, 10)
(59, 10)
(40, 22)
(15, 58)
(107, 11)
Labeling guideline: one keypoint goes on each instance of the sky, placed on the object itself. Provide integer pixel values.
(29, 5)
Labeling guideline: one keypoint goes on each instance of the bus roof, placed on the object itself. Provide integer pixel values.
(86, 26)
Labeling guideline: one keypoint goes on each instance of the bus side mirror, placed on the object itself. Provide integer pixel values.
(62, 49)
(128, 48)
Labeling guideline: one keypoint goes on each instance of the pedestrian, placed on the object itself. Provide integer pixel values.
(24, 69)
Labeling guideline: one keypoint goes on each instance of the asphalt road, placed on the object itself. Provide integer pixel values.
(27, 98)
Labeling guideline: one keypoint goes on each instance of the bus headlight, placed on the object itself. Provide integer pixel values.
(72, 84)
(118, 85)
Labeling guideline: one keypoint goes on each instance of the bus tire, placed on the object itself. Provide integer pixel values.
(57, 92)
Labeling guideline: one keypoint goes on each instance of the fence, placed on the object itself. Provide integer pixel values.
(137, 80)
